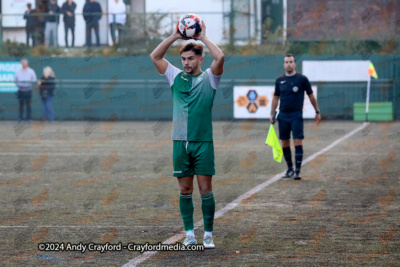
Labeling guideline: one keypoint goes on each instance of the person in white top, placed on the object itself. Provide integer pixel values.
(25, 78)
(117, 19)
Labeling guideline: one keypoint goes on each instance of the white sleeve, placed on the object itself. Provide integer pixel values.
(171, 73)
(214, 80)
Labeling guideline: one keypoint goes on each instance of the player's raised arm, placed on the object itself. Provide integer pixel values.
(217, 67)
(157, 56)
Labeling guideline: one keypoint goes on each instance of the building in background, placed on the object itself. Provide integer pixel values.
(257, 20)
(217, 15)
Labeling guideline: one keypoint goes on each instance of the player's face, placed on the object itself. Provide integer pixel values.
(289, 64)
(191, 62)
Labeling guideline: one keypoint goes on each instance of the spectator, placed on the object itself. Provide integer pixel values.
(68, 9)
(24, 79)
(40, 24)
(92, 14)
(47, 85)
(30, 24)
(51, 24)
(117, 18)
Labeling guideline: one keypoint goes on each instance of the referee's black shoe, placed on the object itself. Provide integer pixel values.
(289, 173)
(297, 175)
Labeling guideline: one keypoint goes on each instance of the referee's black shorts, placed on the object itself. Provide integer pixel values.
(291, 122)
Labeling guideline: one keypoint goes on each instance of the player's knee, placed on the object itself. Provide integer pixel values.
(285, 143)
(205, 190)
(298, 142)
(186, 189)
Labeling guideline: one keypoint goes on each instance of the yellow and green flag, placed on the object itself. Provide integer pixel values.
(372, 71)
(272, 140)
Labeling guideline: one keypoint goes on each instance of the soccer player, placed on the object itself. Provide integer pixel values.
(289, 89)
(193, 92)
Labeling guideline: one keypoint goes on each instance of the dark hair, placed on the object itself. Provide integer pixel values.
(196, 48)
(291, 55)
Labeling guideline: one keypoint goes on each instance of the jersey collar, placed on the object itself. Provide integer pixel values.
(194, 76)
(290, 75)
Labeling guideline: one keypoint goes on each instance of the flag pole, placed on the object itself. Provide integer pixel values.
(367, 100)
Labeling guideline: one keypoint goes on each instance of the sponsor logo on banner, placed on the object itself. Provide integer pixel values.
(7, 73)
(254, 102)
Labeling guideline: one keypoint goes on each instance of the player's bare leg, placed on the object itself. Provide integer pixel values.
(186, 184)
(205, 184)
(285, 143)
(208, 208)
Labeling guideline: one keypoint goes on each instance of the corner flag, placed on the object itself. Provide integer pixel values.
(272, 140)
(371, 71)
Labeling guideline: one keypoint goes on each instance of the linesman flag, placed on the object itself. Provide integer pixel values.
(272, 140)
(372, 71)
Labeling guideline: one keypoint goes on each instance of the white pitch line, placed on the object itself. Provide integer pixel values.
(146, 255)
(310, 158)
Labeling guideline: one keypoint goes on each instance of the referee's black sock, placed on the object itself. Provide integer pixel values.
(288, 157)
(298, 156)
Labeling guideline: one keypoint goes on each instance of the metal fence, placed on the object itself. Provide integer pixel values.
(151, 99)
(97, 87)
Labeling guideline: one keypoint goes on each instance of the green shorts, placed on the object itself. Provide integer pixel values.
(192, 158)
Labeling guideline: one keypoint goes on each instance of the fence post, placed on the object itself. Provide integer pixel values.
(114, 26)
(60, 84)
(255, 20)
(57, 23)
(232, 25)
(395, 88)
(249, 19)
(396, 79)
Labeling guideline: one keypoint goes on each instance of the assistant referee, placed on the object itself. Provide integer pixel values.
(289, 89)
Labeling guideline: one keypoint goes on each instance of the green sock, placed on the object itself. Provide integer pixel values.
(208, 208)
(187, 208)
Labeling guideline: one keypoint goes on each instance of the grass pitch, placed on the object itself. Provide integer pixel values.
(111, 182)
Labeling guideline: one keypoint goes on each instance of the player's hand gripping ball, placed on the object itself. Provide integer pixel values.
(190, 25)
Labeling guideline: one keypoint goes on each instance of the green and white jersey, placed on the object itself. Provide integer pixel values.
(193, 98)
